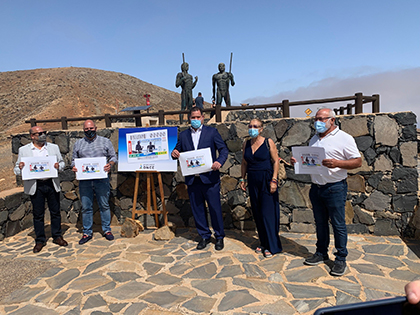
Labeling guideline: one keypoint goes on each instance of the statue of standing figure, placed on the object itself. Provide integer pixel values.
(185, 80)
(222, 79)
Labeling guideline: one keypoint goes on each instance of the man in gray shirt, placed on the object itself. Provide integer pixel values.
(90, 146)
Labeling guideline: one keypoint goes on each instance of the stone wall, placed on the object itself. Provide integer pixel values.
(382, 196)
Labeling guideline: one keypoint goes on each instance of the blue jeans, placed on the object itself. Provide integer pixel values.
(328, 203)
(87, 189)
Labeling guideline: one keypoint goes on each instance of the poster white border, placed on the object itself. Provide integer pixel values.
(97, 162)
(314, 156)
(51, 172)
(201, 161)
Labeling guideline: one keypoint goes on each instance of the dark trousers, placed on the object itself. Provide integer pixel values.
(199, 193)
(265, 209)
(45, 190)
(328, 203)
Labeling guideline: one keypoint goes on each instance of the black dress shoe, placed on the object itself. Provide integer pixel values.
(38, 247)
(219, 244)
(203, 243)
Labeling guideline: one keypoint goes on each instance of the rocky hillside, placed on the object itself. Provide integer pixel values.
(72, 92)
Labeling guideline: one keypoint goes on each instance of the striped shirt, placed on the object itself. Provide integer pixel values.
(99, 146)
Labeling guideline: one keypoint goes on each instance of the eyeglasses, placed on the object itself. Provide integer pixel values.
(254, 126)
(39, 133)
(321, 118)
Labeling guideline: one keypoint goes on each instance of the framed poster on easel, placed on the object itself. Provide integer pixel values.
(143, 149)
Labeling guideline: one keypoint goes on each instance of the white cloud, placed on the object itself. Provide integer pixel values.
(398, 90)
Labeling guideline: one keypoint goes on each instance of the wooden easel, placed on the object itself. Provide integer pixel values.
(150, 190)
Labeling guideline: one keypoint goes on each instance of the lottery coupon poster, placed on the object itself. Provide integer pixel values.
(309, 160)
(147, 149)
(39, 167)
(90, 168)
(195, 162)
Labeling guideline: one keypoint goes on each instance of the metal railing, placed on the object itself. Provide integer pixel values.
(359, 100)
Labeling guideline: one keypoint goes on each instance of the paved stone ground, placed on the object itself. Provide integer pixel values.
(144, 276)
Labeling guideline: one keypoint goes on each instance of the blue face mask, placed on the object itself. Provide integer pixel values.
(253, 133)
(320, 127)
(195, 123)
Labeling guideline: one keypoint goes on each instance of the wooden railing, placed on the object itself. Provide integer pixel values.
(359, 100)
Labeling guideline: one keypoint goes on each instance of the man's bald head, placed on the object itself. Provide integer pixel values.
(35, 129)
(325, 111)
(89, 124)
(89, 128)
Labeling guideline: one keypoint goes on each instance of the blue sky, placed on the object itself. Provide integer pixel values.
(281, 49)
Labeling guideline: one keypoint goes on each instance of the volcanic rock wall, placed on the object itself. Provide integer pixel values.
(382, 197)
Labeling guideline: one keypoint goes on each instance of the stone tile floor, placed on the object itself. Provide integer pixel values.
(144, 276)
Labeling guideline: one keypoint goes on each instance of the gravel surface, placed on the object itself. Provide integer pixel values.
(14, 273)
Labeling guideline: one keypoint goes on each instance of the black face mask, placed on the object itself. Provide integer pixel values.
(90, 134)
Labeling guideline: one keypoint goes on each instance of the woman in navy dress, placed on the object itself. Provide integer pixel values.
(261, 163)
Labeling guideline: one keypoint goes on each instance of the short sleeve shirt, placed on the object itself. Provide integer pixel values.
(199, 100)
(338, 145)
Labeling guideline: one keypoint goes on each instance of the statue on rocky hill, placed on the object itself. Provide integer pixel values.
(222, 79)
(185, 80)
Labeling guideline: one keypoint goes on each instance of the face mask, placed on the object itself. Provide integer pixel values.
(90, 134)
(42, 138)
(320, 127)
(253, 133)
(195, 123)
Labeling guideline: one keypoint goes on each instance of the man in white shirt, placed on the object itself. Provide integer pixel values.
(328, 192)
(41, 189)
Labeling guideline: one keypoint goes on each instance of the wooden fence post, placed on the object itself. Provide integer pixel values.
(219, 113)
(341, 110)
(64, 123)
(33, 122)
(359, 103)
(349, 109)
(286, 109)
(137, 119)
(375, 103)
(161, 116)
(108, 123)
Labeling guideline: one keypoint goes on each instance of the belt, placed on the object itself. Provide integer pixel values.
(44, 181)
(329, 184)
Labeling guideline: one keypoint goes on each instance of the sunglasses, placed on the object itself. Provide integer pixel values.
(254, 126)
(321, 118)
(39, 133)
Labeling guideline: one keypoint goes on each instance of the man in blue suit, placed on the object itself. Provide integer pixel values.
(206, 186)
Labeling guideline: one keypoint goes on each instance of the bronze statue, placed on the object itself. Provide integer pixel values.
(222, 79)
(185, 80)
